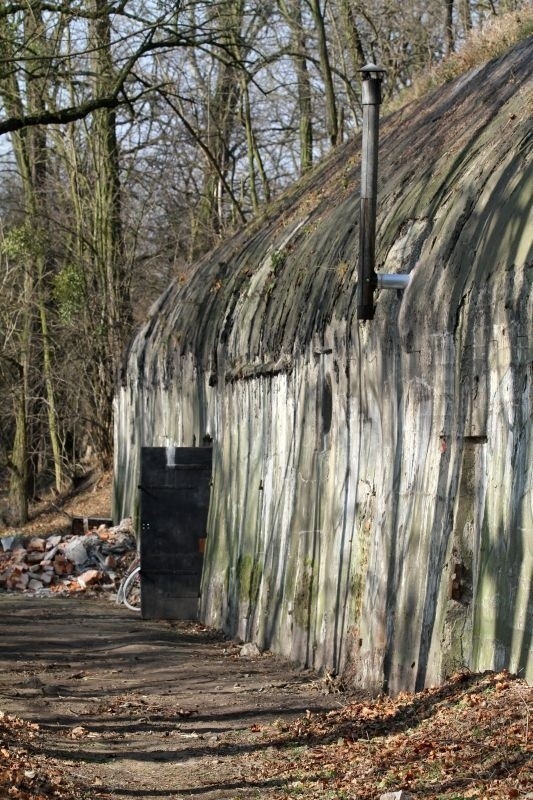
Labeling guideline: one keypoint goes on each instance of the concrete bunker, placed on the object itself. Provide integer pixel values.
(371, 498)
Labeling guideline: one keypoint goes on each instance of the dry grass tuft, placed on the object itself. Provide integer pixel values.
(494, 39)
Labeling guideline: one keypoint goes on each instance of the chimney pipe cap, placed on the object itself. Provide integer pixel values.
(372, 71)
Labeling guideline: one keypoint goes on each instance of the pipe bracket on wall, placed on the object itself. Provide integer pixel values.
(396, 281)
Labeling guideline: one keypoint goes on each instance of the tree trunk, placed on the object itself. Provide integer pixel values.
(293, 14)
(109, 261)
(35, 190)
(19, 461)
(327, 75)
(449, 30)
(304, 99)
(222, 117)
(466, 15)
(30, 148)
(255, 160)
(351, 35)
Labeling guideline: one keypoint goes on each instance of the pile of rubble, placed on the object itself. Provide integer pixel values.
(67, 563)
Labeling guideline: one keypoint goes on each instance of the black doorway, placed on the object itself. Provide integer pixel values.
(174, 494)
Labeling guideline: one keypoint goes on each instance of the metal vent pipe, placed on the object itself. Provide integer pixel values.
(368, 279)
(371, 101)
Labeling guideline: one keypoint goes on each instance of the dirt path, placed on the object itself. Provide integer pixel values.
(145, 709)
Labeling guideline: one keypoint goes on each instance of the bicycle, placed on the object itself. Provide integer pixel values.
(129, 591)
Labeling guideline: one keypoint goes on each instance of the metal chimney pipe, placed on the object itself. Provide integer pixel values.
(371, 101)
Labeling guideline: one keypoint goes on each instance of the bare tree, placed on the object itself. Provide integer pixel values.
(141, 133)
(33, 254)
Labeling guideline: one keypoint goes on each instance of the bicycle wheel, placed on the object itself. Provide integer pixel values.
(131, 590)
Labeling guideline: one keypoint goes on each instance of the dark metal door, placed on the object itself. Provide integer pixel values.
(174, 491)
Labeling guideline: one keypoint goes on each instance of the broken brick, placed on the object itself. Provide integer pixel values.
(89, 577)
(31, 564)
(36, 545)
(34, 557)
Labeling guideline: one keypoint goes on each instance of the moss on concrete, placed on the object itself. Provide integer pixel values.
(249, 573)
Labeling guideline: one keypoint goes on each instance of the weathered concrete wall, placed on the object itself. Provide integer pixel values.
(371, 506)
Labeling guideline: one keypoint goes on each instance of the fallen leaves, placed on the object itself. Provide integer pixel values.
(24, 774)
(466, 739)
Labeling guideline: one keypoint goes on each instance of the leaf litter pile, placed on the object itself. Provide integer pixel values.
(25, 773)
(469, 738)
